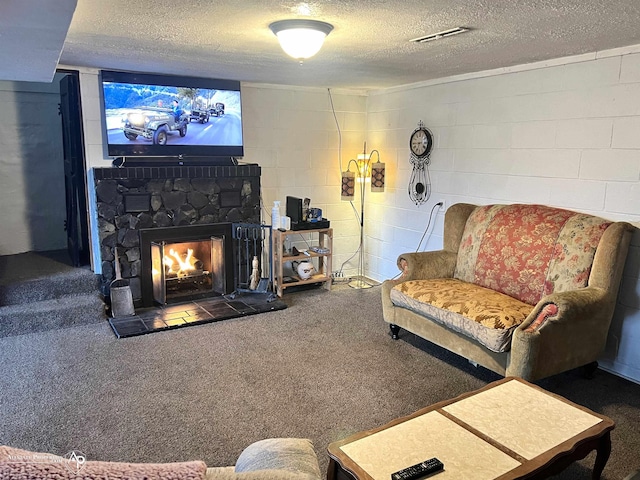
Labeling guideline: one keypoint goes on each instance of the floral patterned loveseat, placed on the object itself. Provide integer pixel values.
(523, 290)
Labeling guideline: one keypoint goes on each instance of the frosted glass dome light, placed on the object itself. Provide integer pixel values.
(301, 39)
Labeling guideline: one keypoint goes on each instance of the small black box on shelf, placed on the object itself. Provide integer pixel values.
(294, 209)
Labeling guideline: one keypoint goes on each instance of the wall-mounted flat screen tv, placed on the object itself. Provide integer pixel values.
(165, 118)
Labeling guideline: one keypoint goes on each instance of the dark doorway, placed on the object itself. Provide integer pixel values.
(74, 169)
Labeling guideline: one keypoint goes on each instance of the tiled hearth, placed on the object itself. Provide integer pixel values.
(193, 313)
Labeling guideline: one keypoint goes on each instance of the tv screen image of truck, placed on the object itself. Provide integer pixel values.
(171, 116)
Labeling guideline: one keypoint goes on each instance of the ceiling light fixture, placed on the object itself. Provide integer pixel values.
(301, 39)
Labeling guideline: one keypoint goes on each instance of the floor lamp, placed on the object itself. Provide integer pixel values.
(364, 170)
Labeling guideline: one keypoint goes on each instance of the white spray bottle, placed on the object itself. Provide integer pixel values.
(275, 215)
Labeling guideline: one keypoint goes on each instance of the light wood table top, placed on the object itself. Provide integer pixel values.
(509, 429)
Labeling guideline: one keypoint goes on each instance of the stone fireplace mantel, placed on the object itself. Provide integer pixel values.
(129, 199)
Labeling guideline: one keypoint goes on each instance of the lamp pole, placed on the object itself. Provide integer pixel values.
(363, 170)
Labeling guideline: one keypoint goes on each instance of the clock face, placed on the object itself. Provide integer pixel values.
(420, 142)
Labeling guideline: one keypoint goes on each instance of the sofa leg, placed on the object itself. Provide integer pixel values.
(589, 370)
(395, 330)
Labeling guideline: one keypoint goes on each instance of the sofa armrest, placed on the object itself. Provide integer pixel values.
(424, 265)
(418, 266)
(293, 457)
(564, 331)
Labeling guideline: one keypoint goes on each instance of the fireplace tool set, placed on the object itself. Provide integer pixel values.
(253, 272)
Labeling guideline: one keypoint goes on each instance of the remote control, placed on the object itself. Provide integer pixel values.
(420, 470)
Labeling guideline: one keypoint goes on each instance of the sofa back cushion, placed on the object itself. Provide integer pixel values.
(528, 251)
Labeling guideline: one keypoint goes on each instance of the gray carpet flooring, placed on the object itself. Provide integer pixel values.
(41, 291)
(35, 265)
(323, 369)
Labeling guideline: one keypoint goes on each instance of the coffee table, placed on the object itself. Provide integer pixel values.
(510, 429)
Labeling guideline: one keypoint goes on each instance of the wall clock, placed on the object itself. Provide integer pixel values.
(420, 144)
(421, 141)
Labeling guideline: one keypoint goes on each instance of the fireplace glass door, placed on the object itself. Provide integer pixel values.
(187, 270)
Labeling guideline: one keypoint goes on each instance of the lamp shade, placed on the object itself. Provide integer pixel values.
(377, 177)
(348, 186)
(301, 38)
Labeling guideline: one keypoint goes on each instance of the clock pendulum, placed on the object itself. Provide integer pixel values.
(420, 144)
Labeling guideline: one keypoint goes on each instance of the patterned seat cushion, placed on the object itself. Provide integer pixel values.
(480, 313)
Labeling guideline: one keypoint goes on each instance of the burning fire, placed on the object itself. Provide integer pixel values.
(180, 263)
(176, 264)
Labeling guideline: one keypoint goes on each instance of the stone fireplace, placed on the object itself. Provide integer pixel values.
(139, 207)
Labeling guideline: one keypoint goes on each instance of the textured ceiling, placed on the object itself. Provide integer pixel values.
(368, 48)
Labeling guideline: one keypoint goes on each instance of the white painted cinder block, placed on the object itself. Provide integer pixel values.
(482, 112)
(484, 161)
(93, 132)
(491, 136)
(352, 121)
(343, 102)
(578, 195)
(614, 101)
(93, 111)
(630, 68)
(583, 75)
(548, 106)
(534, 134)
(556, 163)
(96, 156)
(459, 136)
(623, 197)
(626, 132)
(610, 164)
(527, 82)
(311, 100)
(584, 133)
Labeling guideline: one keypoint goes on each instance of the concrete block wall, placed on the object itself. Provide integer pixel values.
(31, 168)
(291, 132)
(561, 133)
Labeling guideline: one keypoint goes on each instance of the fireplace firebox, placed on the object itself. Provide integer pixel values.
(186, 263)
(187, 270)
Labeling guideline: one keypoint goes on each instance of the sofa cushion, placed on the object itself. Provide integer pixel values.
(16, 464)
(293, 455)
(528, 251)
(480, 313)
(229, 473)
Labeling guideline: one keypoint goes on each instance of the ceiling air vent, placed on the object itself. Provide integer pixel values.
(439, 35)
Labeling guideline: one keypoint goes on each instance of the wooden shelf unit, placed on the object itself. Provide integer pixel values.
(322, 264)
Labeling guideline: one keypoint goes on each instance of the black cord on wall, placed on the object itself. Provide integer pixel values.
(439, 204)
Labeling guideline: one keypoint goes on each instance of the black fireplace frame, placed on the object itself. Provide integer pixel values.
(184, 233)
